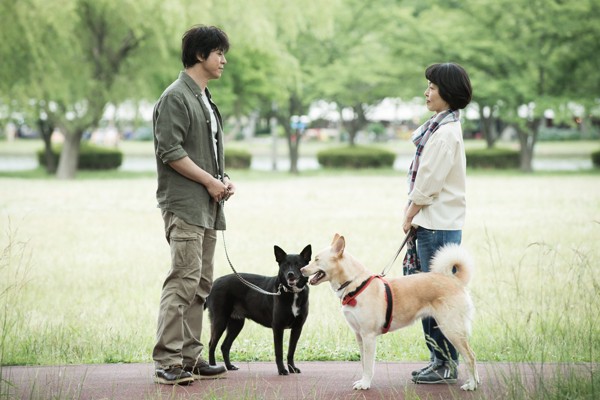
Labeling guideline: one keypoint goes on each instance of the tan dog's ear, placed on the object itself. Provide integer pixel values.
(339, 245)
(335, 238)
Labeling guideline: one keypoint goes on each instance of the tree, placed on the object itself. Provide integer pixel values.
(361, 62)
(537, 57)
(246, 85)
(23, 59)
(298, 25)
(263, 74)
(580, 59)
(109, 36)
(270, 36)
(83, 54)
(525, 57)
(64, 61)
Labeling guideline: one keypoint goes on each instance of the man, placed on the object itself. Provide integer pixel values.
(188, 142)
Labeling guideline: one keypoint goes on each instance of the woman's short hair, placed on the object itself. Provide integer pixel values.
(201, 40)
(453, 83)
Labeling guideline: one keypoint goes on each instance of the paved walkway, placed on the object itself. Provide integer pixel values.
(259, 380)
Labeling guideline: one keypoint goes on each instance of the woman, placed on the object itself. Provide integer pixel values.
(435, 212)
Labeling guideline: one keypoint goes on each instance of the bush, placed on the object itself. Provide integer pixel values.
(596, 159)
(237, 159)
(564, 134)
(493, 158)
(356, 157)
(91, 157)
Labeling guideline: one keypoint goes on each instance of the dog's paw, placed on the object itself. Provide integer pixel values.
(363, 384)
(293, 370)
(469, 385)
(231, 367)
(283, 372)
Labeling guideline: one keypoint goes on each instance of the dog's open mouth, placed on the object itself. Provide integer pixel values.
(317, 277)
(292, 282)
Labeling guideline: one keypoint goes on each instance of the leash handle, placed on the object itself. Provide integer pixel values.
(387, 268)
(241, 278)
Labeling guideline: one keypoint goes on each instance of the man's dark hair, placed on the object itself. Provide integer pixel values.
(453, 83)
(201, 40)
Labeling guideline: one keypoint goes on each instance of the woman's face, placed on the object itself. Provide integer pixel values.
(435, 102)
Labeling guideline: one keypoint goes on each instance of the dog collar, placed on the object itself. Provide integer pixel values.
(350, 299)
(291, 290)
(344, 285)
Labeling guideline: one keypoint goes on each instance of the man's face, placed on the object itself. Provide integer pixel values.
(214, 64)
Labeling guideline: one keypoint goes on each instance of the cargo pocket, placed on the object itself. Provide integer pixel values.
(186, 256)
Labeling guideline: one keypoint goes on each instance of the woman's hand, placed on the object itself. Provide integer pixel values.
(410, 211)
(406, 224)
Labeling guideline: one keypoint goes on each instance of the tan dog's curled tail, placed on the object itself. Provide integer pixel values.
(453, 260)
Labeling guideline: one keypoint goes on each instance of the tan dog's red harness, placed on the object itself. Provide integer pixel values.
(350, 299)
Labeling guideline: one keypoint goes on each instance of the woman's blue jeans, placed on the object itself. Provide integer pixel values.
(428, 242)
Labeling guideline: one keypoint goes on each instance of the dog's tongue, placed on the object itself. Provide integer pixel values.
(316, 278)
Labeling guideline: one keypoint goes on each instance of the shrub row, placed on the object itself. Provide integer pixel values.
(356, 157)
(596, 158)
(505, 158)
(494, 158)
(570, 134)
(237, 159)
(373, 157)
(91, 157)
(101, 158)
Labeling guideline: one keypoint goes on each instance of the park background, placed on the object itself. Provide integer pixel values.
(83, 251)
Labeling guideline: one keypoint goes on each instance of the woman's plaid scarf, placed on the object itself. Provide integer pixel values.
(411, 264)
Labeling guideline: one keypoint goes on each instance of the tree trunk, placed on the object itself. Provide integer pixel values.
(50, 160)
(488, 127)
(352, 132)
(294, 146)
(293, 135)
(69, 157)
(527, 140)
(355, 125)
(526, 153)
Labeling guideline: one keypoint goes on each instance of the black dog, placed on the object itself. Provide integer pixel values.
(230, 302)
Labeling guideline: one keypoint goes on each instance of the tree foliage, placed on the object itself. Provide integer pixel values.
(83, 54)
(64, 61)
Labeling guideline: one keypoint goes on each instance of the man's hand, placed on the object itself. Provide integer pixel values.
(217, 190)
(230, 188)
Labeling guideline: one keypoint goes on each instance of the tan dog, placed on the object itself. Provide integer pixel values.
(441, 294)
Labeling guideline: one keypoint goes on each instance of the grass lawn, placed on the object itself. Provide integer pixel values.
(83, 262)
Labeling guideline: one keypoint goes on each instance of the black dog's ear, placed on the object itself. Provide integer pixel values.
(306, 254)
(279, 254)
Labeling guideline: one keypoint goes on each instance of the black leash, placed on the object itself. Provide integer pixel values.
(278, 293)
(241, 278)
(387, 268)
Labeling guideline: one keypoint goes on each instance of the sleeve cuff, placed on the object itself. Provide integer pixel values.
(419, 198)
(174, 154)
